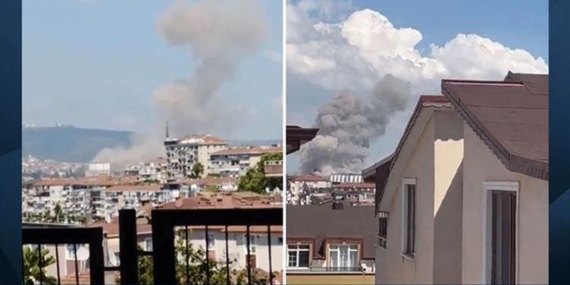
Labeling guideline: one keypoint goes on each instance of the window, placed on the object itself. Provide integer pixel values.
(211, 242)
(382, 229)
(279, 241)
(500, 232)
(409, 218)
(343, 256)
(148, 244)
(298, 256)
(252, 244)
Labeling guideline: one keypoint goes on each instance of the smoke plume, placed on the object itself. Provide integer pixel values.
(218, 34)
(348, 125)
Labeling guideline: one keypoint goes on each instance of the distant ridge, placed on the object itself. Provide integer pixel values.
(74, 144)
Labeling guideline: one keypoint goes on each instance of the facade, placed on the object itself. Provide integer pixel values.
(235, 162)
(98, 169)
(471, 167)
(237, 246)
(183, 154)
(329, 244)
(301, 188)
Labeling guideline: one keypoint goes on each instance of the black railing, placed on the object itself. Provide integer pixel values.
(165, 256)
(42, 234)
(329, 269)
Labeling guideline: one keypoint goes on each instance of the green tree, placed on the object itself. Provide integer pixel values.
(212, 188)
(255, 180)
(32, 272)
(197, 170)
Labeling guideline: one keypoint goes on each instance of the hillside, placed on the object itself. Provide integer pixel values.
(74, 144)
(70, 143)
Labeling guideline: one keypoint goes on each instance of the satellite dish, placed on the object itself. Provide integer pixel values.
(82, 254)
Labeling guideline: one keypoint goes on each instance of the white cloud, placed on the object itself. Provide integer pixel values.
(355, 52)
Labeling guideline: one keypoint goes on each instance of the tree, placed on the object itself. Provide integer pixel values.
(58, 215)
(32, 271)
(212, 188)
(197, 170)
(255, 180)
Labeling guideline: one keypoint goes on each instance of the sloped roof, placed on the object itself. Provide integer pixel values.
(510, 116)
(321, 222)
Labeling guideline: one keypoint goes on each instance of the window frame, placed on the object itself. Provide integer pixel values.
(489, 187)
(297, 250)
(351, 247)
(405, 219)
(382, 235)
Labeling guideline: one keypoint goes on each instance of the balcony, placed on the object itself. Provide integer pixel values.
(176, 241)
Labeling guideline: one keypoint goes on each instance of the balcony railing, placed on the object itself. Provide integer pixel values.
(59, 236)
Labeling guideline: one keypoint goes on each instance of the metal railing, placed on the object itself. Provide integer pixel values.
(41, 235)
(165, 222)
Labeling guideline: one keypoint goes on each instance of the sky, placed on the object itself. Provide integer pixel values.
(337, 47)
(98, 64)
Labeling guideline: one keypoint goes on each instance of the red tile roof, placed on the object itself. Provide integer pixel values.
(249, 150)
(205, 139)
(134, 187)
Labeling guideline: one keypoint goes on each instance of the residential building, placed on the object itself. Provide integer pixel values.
(98, 169)
(235, 162)
(301, 188)
(183, 154)
(330, 244)
(259, 244)
(464, 197)
(224, 184)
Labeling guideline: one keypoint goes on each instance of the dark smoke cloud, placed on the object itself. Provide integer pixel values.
(218, 35)
(348, 125)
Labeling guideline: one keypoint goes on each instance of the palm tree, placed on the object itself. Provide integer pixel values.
(32, 272)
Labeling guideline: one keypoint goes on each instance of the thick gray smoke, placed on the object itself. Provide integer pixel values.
(348, 124)
(217, 34)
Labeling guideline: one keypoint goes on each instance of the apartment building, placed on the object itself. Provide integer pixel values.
(235, 162)
(183, 154)
(154, 170)
(301, 188)
(237, 245)
(330, 244)
(133, 196)
(224, 184)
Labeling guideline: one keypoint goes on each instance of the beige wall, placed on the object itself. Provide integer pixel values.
(316, 278)
(447, 207)
(391, 266)
(482, 165)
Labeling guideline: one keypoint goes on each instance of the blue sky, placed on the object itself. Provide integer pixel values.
(95, 64)
(514, 24)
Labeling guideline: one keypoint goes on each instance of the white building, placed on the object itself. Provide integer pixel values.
(98, 169)
(235, 162)
(183, 154)
(301, 187)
